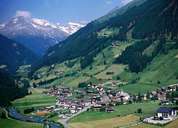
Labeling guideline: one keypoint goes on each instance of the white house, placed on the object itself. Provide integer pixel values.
(165, 113)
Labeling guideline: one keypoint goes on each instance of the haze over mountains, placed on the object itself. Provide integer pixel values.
(37, 34)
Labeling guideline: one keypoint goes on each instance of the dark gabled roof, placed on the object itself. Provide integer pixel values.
(164, 110)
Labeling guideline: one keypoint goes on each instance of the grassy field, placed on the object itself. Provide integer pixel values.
(161, 72)
(10, 123)
(123, 116)
(98, 69)
(36, 99)
(74, 82)
(148, 109)
(163, 68)
(139, 88)
(146, 126)
(106, 123)
(173, 124)
(116, 69)
(119, 122)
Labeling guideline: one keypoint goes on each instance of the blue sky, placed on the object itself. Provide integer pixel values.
(61, 11)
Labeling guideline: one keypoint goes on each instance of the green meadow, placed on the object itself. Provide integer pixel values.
(148, 108)
(10, 123)
(36, 99)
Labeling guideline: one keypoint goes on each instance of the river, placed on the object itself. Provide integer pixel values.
(27, 118)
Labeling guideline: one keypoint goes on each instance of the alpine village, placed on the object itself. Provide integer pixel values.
(116, 71)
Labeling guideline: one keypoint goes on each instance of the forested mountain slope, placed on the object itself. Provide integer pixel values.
(149, 20)
(13, 54)
(136, 45)
(9, 90)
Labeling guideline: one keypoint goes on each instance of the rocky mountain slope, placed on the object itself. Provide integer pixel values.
(37, 34)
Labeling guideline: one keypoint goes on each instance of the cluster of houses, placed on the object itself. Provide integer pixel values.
(162, 94)
(100, 98)
(66, 103)
(104, 99)
(71, 101)
(164, 115)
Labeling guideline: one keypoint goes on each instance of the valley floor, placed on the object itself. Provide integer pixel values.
(129, 121)
(11, 123)
(122, 110)
(124, 116)
(107, 123)
(36, 100)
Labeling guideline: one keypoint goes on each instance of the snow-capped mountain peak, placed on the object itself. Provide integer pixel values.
(76, 24)
(2, 26)
(41, 22)
(37, 33)
(36, 23)
(71, 27)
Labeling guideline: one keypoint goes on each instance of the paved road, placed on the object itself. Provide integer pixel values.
(66, 120)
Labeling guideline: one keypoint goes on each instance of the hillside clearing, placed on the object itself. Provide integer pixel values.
(113, 69)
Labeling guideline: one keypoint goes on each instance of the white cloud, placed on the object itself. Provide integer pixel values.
(23, 13)
(125, 1)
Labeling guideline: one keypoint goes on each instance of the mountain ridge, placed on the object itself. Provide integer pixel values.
(129, 47)
(37, 34)
(132, 20)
